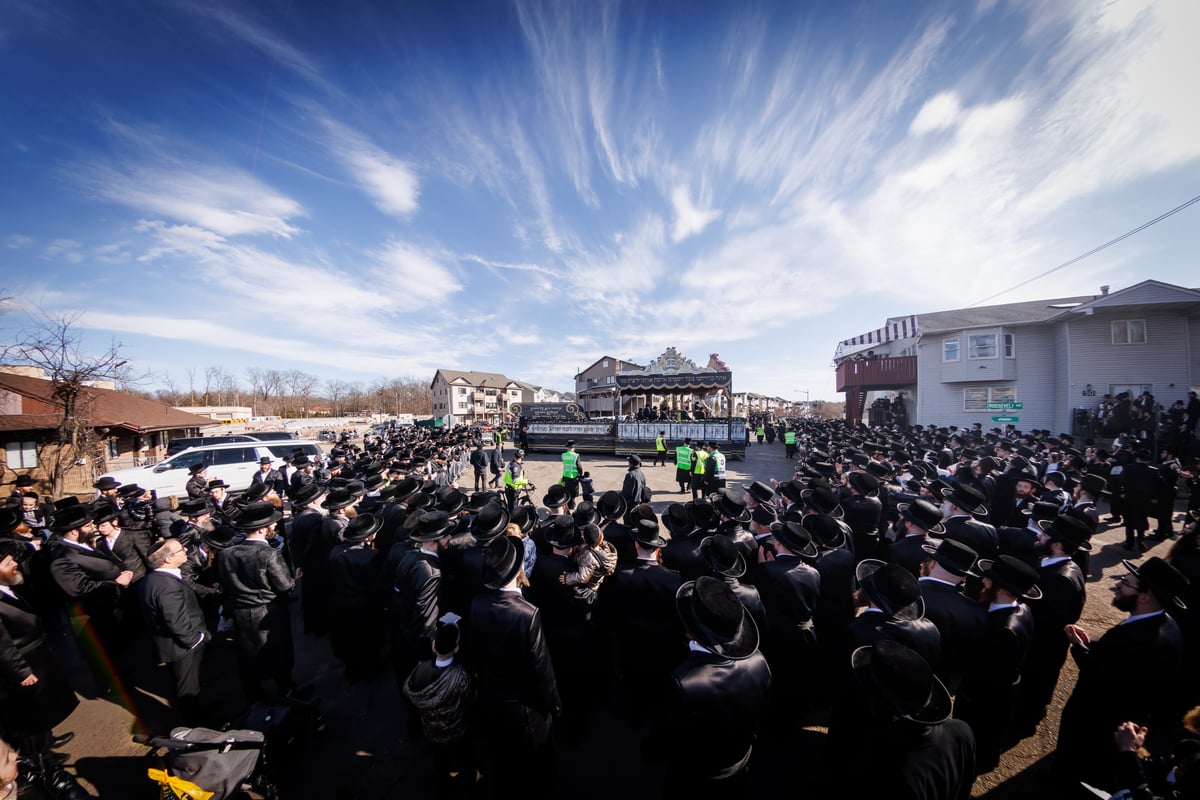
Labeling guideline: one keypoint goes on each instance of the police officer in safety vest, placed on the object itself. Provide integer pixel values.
(683, 465)
(714, 469)
(699, 458)
(660, 449)
(572, 468)
(789, 442)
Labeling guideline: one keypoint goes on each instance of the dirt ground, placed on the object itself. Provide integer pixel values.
(364, 752)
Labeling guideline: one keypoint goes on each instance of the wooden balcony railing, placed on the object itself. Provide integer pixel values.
(877, 373)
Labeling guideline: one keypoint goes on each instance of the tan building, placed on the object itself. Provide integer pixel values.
(473, 398)
(596, 390)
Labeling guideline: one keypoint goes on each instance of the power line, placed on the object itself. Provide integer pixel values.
(1093, 251)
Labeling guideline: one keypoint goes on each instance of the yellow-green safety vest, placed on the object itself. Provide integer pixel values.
(660, 444)
(570, 463)
(683, 457)
(701, 457)
(789, 437)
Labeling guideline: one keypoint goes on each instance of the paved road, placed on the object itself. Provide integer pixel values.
(364, 753)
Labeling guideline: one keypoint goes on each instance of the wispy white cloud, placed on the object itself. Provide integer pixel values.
(68, 250)
(18, 241)
(689, 218)
(391, 182)
(505, 265)
(412, 277)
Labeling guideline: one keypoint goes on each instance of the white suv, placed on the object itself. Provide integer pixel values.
(233, 462)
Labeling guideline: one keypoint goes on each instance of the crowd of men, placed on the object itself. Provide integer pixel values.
(918, 589)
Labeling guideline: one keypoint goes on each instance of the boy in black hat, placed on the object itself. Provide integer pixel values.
(442, 691)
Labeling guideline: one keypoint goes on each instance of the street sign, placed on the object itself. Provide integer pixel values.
(1007, 405)
(1006, 419)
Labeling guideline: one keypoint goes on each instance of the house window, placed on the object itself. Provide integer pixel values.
(113, 450)
(20, 455)
(976, 398)
(609, 379)
(1129, 331)
(605, 364)
(950, 349)
(1010, 346)
(981, 346)
(462, 390)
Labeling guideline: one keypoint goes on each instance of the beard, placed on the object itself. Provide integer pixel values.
(1126, 603)
(987, 595)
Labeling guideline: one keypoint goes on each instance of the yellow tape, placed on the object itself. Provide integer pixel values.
(181, 789)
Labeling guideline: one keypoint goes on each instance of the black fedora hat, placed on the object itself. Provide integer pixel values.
(102, 512)
(891, 587)
(128, 491)
(256, 492)
(791, 490)
(713, 616)
(524, 517)
(923, 514)
(306, 494)
(1094, 485)
(478, 500)
(967, 498)
(403, 489)
(647, 533)
(361, 528)
(339, 498)
(586, 514)
(430, 525)
(256, 516)
(764, 514)
(106, 484)
(1042, 510)
(761, 492)
(823, 500)
(71, 517)
(795, 537)
(612, 505)
(731, 504)
(502, 559)
(491, 520)
(825, 530)
(864, 483)
(193, 507)
(450, 500)
(1165, 582)
(704, 514)
(722, 556)
(953, 556)
(10, 520)
(1011, 574)
(221, 537)
(678, 519)
(900, 677)
(556, 495)
(1072, 532)
(560, 532)
(216, 483)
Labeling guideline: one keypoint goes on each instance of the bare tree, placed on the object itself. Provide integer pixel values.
(337, 391)
(191, 375)
(55, 346)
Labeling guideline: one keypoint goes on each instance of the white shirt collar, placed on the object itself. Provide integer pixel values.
(515, 589)
(1137, 617)
(8, 591)
(696, 647)
(171, 571)
(931, 579)
(1049, 562)
(1001, 606)
(80, 545)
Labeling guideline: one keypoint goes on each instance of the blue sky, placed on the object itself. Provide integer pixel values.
(361, 190)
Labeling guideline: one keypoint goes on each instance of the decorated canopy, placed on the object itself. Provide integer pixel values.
(672, 373)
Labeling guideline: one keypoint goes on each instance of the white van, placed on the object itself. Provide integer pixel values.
(233, 462)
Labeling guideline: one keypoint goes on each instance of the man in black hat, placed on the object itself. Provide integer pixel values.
(718, 697)
(257, 583)
(518, 693)
(908, 738)
(302, 472)
(1064, 591)
(358, 603)
(268, 476)
(961, 623)
(791, 591)
(987, 698)
(176, 623)
(960, 506)
(1143, 490)
(633, 487)
(863, 512)
(479, 462)
(683, 465)
(572, 471)
(1103, 697)
(727, 565)
(197, 483)
(92, 581)
(416, 602)
(637, 605)
(734, 515)
(915, 521)
(1087, 493)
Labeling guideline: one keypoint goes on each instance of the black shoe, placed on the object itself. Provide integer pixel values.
(1129, 546)
(1141, 545)
(59, 741)
(54, 759)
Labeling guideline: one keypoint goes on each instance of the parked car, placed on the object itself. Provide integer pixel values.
(233, 462)
(272, 436)
(184, 442)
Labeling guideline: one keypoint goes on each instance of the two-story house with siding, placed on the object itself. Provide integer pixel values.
(1042, 360)
(473, 398)
(595, 386)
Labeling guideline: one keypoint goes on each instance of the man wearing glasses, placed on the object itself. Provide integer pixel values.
(176, 621)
